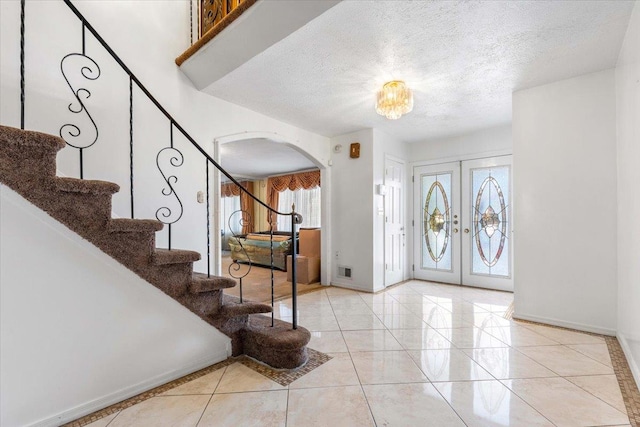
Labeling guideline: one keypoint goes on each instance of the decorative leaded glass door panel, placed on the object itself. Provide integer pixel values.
(486, 238)
(436, 223)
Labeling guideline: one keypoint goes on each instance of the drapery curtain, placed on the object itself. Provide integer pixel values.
(295, 181)
(229, 189)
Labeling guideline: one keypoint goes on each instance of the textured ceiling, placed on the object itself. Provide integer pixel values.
(463, 60)
(260, 158)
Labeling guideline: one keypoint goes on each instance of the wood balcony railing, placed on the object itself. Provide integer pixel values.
(215, 16)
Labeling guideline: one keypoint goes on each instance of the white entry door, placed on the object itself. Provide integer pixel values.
(487, 250)
(437, 223)
(394, 226)
(462, 223)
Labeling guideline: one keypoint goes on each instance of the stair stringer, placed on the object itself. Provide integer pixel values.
(78, 330)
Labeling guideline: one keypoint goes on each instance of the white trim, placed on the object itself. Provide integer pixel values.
(125, 393)
(353, 286)
(566, 324)
(635, 371)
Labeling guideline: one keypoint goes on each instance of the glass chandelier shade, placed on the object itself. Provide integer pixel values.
(394, 100)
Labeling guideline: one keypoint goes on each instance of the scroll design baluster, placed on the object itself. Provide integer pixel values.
(235, 269)
(70, 132)
(165, 214)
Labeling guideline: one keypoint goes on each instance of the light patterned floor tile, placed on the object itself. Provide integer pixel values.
(317, 323)
(333, 406)
(103, 422)
(564, 403)
(239, 378)
(161, 411)
(255, 409)
(327, 342)
(410, 405)
(204, 385)
(359, 322)
(339, 371)
(518, 336)
(421, 339)
(471, 338)
(565, 361)
(505, 363)
(604, 387)
(384, 367)
(489, 403)
(598, 352)
(564, 336)
(448, 365)
(373, 340)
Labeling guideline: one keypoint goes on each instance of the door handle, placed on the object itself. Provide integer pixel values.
(466, 230)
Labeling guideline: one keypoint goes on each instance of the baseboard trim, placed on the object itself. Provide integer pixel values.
(635, 371)
(565, 324)
(127, 392)
(352, 286)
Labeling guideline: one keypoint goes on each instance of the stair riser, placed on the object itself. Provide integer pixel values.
(26, 164)
(82, 212)
(280, 359)
(204, 304)
(171, 279)
(128, 248)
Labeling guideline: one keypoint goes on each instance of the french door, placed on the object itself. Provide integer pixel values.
(463, 222)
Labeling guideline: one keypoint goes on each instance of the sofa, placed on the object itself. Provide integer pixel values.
(256, 249)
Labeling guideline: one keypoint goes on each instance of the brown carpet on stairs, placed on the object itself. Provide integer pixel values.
(256, 286)
(28, 166)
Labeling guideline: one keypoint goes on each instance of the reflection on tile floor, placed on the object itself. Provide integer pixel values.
(418, 354)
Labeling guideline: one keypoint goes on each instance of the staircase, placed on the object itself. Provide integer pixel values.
(28, 166)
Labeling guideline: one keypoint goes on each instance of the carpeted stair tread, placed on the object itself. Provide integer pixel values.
(28, 138)
(174, 256)
(86, 186)
(202, 283)
(281, 335)
(231, 307)
(123, 225)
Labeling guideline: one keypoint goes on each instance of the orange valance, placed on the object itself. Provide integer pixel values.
(294, 181)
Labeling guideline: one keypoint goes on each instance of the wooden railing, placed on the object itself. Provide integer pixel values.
(214, 16)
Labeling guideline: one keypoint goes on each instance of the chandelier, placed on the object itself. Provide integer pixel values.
(394, 100)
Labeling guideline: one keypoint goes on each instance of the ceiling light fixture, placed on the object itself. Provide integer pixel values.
(394, 100)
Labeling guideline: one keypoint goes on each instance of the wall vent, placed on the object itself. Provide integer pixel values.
(344, 272)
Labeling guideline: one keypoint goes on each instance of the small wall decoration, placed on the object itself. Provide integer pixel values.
(354, 150)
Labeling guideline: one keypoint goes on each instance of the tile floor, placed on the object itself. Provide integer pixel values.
(419, 354)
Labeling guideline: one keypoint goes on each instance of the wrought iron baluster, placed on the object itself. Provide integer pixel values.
(295, 220)
(164, 214)
(22, 78)
(90, 71)
(208, 223)
(272, 278)
(234, 267)
(131, 143)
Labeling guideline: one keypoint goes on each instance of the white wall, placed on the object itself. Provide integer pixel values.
(483, 143)
(628, 125)
(351, 210)
(148, 36)
(564, 150)
(78, 331)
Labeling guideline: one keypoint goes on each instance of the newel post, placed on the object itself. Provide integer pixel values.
(295, 220)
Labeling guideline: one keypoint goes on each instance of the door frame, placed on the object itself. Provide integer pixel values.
(411, 202)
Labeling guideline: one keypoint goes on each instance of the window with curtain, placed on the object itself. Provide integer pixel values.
(229, 205)
(307, 204)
